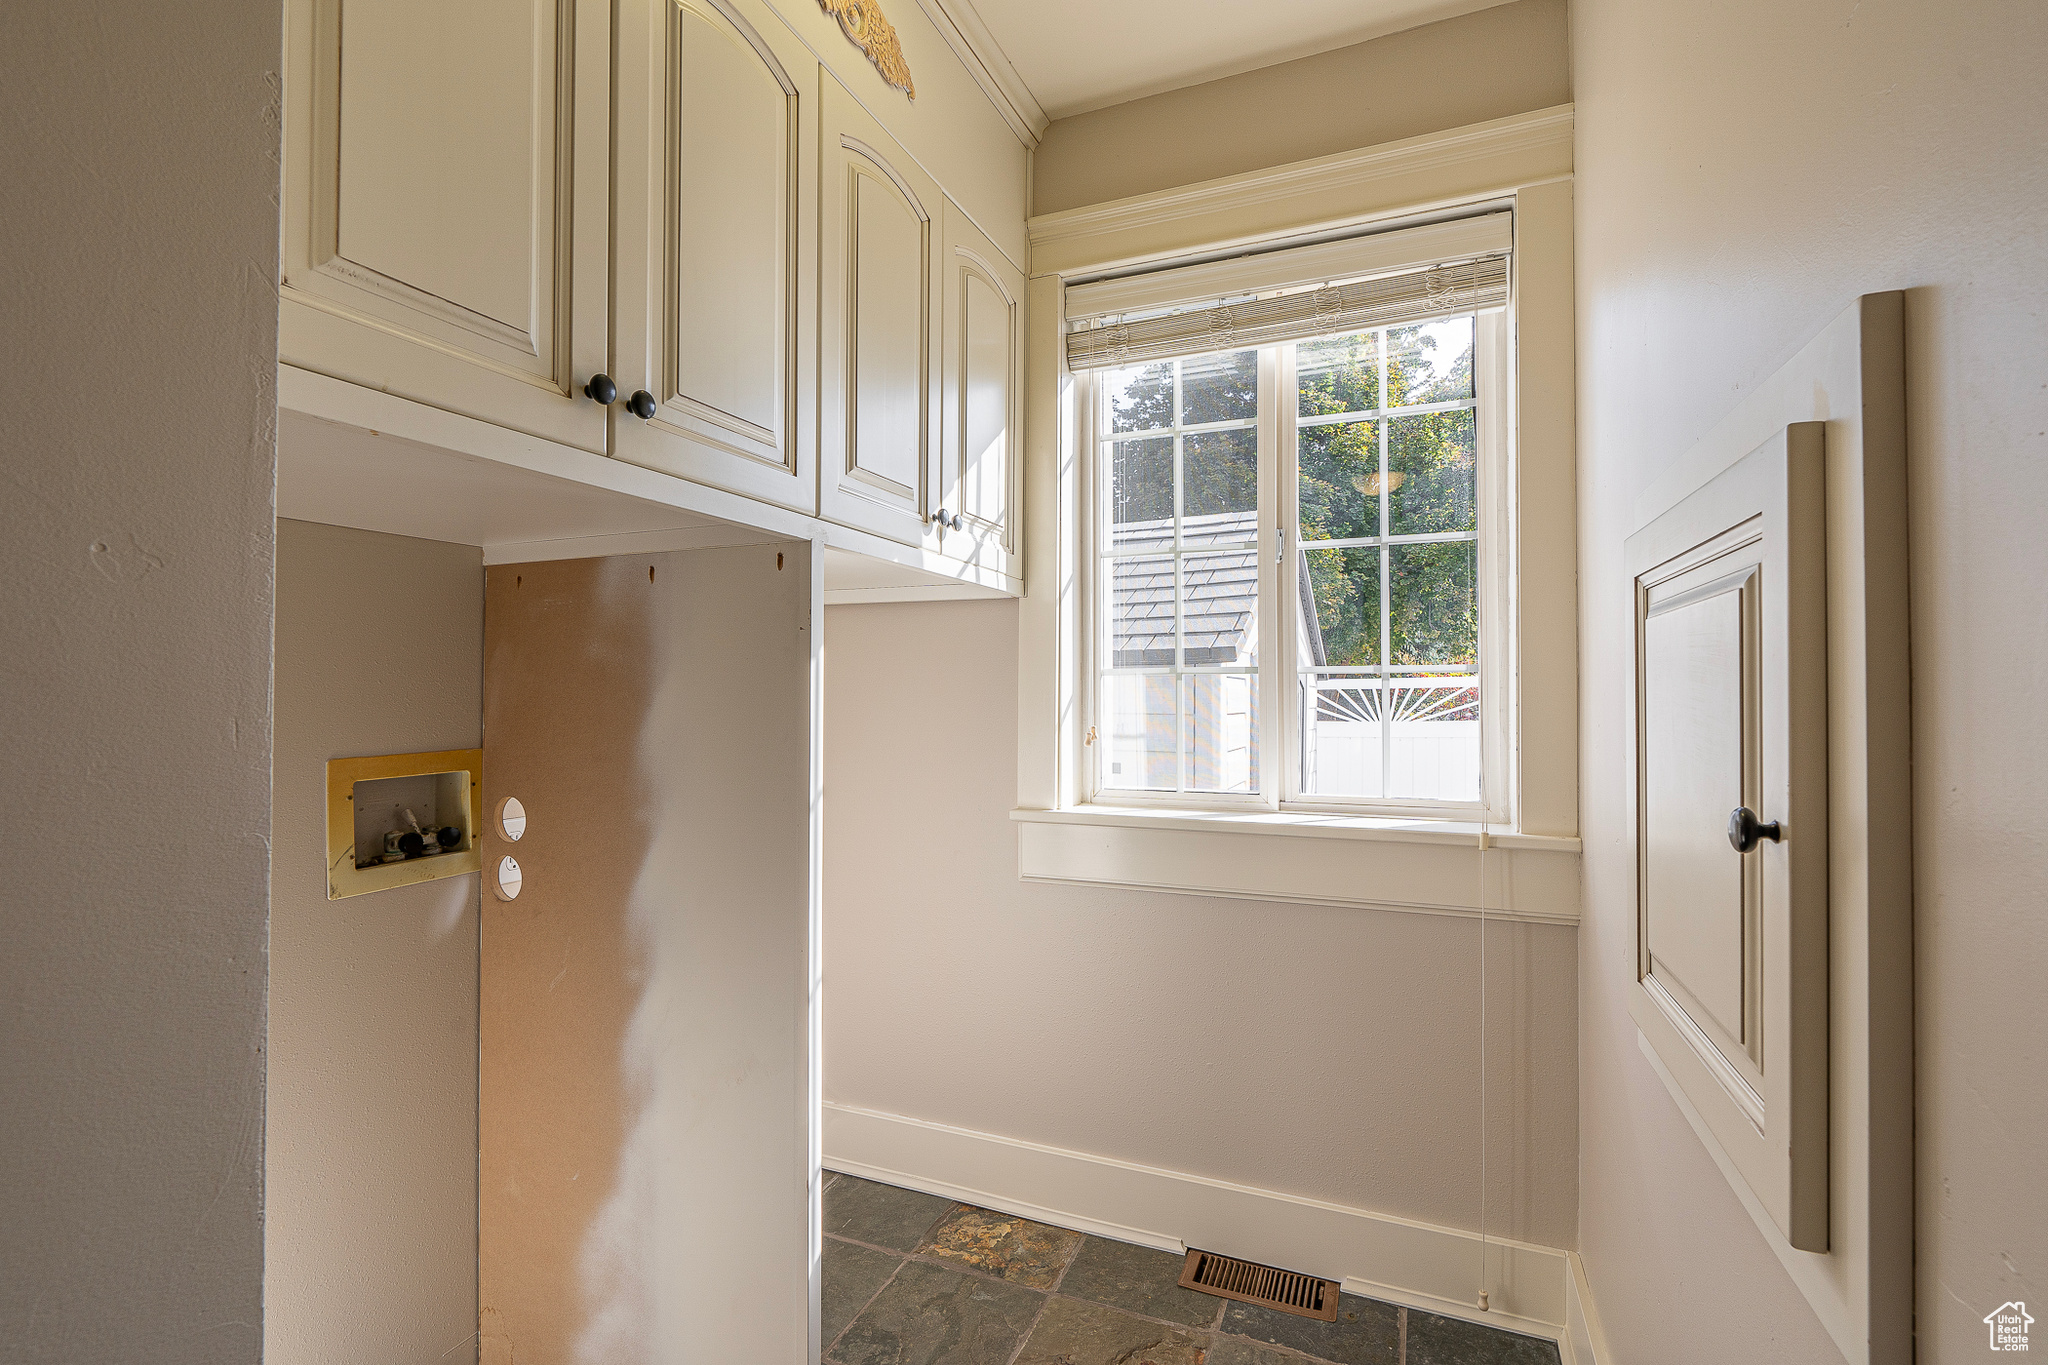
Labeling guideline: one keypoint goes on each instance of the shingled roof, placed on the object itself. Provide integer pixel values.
(1222, 593)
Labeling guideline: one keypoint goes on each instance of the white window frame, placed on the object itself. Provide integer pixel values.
(1526, 869)
(1279, 704)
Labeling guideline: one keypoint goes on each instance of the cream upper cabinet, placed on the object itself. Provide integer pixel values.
(446, 186)
(715, 281)
(879, 320)
(982, 397)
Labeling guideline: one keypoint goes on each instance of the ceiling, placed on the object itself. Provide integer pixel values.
(1077, 55)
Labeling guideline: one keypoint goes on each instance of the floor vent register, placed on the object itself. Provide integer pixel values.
(1285, 1290)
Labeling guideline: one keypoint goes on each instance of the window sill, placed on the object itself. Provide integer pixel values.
(1367, 863)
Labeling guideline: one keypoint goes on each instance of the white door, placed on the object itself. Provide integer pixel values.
(982, 407)
(879, 336)
(717, 150)
(1731, 787)
(446, 226)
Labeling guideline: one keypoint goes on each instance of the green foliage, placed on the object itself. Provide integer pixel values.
(1141, 480)
(1219, 469)
(1433, 613)
(1432, 468)
(1345, 584)
(1145, 401)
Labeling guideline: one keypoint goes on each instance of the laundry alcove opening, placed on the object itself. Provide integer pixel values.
(497, 1126)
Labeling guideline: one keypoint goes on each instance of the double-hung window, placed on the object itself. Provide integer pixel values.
(1294, 548)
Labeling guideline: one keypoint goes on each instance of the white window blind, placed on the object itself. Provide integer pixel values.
(1383, 280)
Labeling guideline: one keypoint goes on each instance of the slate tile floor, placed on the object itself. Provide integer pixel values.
(912, 1279)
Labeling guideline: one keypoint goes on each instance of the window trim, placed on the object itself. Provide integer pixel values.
(1091, 618)
(1523, 163)
(1279, 704)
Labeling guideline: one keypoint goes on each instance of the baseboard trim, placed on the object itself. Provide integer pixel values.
(1534, 1289)
(1583, 1343)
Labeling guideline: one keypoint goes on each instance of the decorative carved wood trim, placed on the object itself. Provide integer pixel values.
(870, 31)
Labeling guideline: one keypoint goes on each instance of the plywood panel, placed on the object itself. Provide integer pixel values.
(646, 1121)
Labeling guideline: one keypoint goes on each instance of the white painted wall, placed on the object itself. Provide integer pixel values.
(370, 1214)
(139, 159)
(1502, 59)
(1325, 1053)
(1744, 171)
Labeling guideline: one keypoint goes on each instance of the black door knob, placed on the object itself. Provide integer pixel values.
(601, 389)
(641, 404)
(1745, 830)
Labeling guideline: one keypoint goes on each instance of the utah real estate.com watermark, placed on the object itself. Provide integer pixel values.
(2008, 1323)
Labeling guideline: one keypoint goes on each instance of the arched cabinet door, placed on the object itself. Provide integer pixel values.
(879, 341)
(717, 151)
(446, 204)
(983, 397)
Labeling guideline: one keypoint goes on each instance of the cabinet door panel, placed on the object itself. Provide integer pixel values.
(445, 217)
(987, 359)
(1696, 909)
(885, 296)
(712, 243)
(880, 306)
(735, 247)
(461, 145)
(984, 352)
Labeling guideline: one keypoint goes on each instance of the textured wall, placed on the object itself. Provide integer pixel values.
(1507, 59)
(370, 1208)
(139, 165)
(1342, 1045)
(1744, 171)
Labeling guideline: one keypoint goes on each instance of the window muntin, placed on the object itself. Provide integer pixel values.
(1375, 625)
(1387, 492)
(1179, 576)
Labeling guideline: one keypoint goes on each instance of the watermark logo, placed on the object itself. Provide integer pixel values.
(2008, 1323)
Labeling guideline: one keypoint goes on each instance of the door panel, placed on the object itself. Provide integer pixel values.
(885, 296)
(984, 356)
(1731, 996)
(713, 239)
(1696, 730)
(445, 216)
(879, 423)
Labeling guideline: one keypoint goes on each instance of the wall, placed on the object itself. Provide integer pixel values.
(140, 165)
(1507, 59)
(1744, 171)
(370, 1220)
(1337, 1053)
(645, 1167)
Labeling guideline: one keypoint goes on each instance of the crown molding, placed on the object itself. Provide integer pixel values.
(960, 24)
(1412, 175)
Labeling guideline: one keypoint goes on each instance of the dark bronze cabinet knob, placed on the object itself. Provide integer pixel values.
(1745, 830)
(601, 389)
(641, 404)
